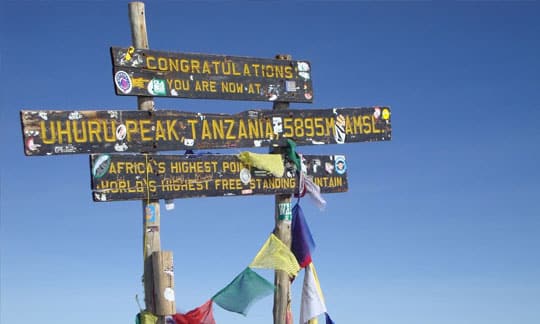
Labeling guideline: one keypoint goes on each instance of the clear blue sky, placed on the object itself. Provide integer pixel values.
(440, 225)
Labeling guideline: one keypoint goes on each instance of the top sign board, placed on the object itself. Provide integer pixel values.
(142, 72)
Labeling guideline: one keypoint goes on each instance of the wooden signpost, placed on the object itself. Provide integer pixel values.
(49, 132)
(110, 134)
(143, 72)
(139, 177)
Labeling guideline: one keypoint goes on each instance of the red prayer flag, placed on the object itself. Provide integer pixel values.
(200, 315)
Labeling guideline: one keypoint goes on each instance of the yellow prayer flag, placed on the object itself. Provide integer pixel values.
(268, 162)
(276, 255)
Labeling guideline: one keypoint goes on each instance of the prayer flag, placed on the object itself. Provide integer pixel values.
(328, 319)
(200, 315)
(276, 255)
(268, 162)
(302, 242)
(312, 299)
(243, 291)
(314, 192)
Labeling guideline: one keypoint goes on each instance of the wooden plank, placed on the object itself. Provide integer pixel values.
(141, 176)
(68, 132)
(144, 72)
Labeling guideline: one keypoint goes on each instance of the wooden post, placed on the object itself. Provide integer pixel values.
(282, 297)
(151, 212)
(164, 282)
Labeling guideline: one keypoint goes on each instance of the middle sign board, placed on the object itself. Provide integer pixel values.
(67, 132)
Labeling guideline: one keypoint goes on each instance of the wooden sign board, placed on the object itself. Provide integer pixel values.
(68, 132)
(142, 72)
(142, 176)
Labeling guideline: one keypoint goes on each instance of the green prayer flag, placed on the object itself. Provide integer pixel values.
(243, 291)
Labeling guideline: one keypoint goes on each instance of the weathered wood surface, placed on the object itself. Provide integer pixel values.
(143, 72)
(139, 176)
(67, 132)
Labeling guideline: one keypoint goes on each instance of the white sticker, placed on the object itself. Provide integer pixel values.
(245, 176)
(168, 293)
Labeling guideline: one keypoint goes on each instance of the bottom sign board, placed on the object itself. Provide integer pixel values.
(141, 176)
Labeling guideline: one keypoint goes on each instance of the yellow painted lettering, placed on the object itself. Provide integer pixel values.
(171, 131)
(195, 66)
(319, 126)
(288, 127)
(246, 70)
(230, 128)
(242, 131)
(145, 127)
(43, 133)
(94, 130)
(192, 123)
(109, 131)
(80, 135)
(289, 72)
(131, 128)
(61, 132)
(206, 68)
(367, 125)
(218, 129)
(150, 63)
(253, 128)
(205, 130)
(160, 131)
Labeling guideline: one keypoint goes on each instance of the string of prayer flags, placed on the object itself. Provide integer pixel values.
(276, 255)
(302, 241)
(200, 315)
(243, 291)
(272, 163)
(312, 304)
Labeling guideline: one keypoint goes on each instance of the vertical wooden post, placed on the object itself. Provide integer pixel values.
(282, 296)
(164, 282)
(151, 212)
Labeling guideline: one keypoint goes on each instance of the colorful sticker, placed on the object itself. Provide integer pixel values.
(328, 167)
(339, 129)
(385, 114)
(30, 145)
(121, 132)
(285, 212)
(157, 87)
(123, 81)
(340, 164)
(101, 166)
(150, 213)
(377, 113)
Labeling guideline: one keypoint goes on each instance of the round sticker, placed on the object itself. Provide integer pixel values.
(101, 166)
(385, 114)
(245, 176)
(168, 293)
(121, 132)
(340, 165)
(123, 81)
